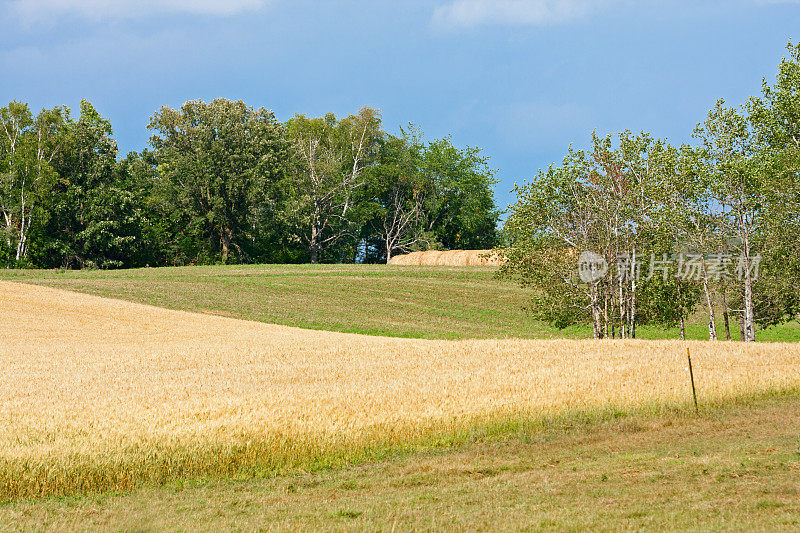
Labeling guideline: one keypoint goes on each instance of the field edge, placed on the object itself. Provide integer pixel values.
(164, 464)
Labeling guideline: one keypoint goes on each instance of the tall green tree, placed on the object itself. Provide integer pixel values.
(218, 163)
(398, 188)
(678, 197)
(554, 225)
(28, 145)
(775, 117)
(122, 229)
(460, 212)
(428, 195)
(736, 194)
(93, 205)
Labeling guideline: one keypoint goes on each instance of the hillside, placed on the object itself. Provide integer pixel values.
(397, 301)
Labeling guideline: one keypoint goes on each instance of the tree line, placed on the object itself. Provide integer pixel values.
(222, 182)
(633, 230)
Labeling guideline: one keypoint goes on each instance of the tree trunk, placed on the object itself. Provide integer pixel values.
(388, 251)
(313, 247)
(605, 313)
(22, 244)
(621, 309)
(9, 227)
(680, 313)
(225, 238)
(632, 309)
(24, 221)
(749, 319)
(597, 326)
(725, 316)
(612, 319)
(712, 327)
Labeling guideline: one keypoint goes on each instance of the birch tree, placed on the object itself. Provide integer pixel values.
(775, 116)
(328, 173)
(604, 209)
(680, 196)
(399, 188)
(28, 145)
(560, 220)
(737, 194)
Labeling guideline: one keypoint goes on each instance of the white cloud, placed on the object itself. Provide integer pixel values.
(37, 10)
(469, 13)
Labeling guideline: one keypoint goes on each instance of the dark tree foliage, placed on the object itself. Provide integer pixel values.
(97, 212)
(428, 195)
(225, 183)
(462, 209)
(217, 164)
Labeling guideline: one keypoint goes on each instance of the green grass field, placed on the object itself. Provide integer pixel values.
(423, 302)
(735, 467)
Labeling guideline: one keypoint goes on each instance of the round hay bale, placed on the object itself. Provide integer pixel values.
(472, 258)
(448, 258)
(445, 258)
(415, 258)
(460, 258)
(405, 259)
(429, 258)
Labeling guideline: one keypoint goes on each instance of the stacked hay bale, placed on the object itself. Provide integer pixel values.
(448, 258)
(407, 259)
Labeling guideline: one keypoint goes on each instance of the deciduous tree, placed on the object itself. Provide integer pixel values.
(327, 171)
(217, 162)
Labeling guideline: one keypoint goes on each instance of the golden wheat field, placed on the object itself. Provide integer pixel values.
(101, 394)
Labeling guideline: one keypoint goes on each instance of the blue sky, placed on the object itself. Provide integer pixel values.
(521, 79)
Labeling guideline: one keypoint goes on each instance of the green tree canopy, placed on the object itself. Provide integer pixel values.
(217, 165)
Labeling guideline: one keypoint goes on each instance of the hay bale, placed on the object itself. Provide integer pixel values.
(472, 258)
(448, 258)
(485, 258)
(429, 258)
(445, 258)
(460, 258)
(415, 258)
(406, 259)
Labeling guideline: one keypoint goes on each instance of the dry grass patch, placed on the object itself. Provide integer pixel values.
(103, 394)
